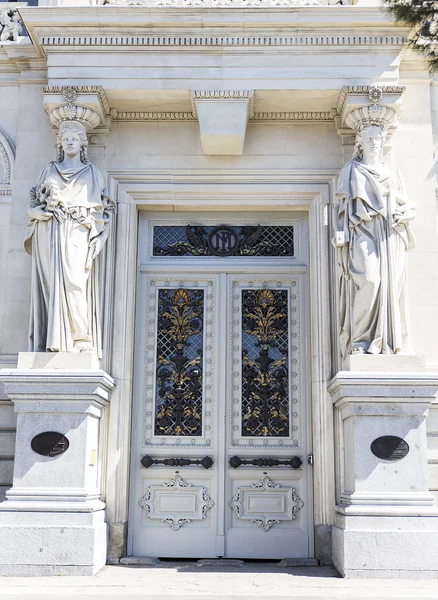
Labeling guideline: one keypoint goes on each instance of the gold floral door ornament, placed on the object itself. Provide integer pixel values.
(179, 362)
(265, 378)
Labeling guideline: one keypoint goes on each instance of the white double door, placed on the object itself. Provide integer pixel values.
(220, 427)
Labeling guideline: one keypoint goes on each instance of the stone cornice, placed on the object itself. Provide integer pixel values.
(352, 23)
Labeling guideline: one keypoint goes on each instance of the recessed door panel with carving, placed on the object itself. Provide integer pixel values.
(221, 404)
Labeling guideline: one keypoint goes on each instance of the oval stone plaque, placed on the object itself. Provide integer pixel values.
(50, 443)
(390, 447)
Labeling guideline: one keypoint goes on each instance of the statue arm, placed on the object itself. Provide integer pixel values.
(36, 209)
(341, 234)
(98, 242)
(405, 209)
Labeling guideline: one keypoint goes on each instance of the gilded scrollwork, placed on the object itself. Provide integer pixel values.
(179, 362)
(265, 396)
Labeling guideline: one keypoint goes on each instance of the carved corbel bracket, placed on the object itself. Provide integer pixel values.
(359, 106)
(223, 116)
(86, 104)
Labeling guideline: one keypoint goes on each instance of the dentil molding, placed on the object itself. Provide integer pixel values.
(313, 42)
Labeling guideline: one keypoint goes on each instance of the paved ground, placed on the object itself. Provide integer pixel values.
(187, 581)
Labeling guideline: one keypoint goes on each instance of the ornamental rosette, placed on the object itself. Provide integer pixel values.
(70, 95)
(375, 94)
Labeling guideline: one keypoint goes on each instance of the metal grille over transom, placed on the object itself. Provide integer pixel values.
(223, 240)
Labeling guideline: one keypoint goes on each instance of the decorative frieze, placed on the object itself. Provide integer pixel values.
(258, 117)
(151, 116)
(326, 116)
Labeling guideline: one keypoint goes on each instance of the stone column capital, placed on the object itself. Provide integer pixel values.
(363, 105)
(86, 104)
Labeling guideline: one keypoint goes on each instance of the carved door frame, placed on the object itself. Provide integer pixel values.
(242, 190)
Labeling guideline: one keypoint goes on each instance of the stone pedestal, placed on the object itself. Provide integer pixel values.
(386, 516)
(53, 521)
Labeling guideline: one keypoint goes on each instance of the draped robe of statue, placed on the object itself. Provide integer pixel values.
(373, 306)
(64, 299)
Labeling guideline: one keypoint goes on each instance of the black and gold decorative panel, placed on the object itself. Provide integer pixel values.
(265, 378)
(265, 363)
(223, 241)
(179, 362)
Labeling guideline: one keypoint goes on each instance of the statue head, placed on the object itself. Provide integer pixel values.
(369, 142)
(72, 140)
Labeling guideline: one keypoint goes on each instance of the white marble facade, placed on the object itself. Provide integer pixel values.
(214, 109)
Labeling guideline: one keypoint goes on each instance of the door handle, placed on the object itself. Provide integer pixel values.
(295, 462)
(147, 461)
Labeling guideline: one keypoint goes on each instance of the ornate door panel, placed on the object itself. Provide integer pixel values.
(176, 417)
(221, 405)
(269, 515)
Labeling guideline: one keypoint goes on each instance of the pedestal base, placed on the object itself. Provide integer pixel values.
(386, 547)
(53, 519)
(49, 543)
(384, 363)
(386, 521)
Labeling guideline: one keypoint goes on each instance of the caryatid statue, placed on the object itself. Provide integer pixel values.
(70, 215)
(373, 236)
